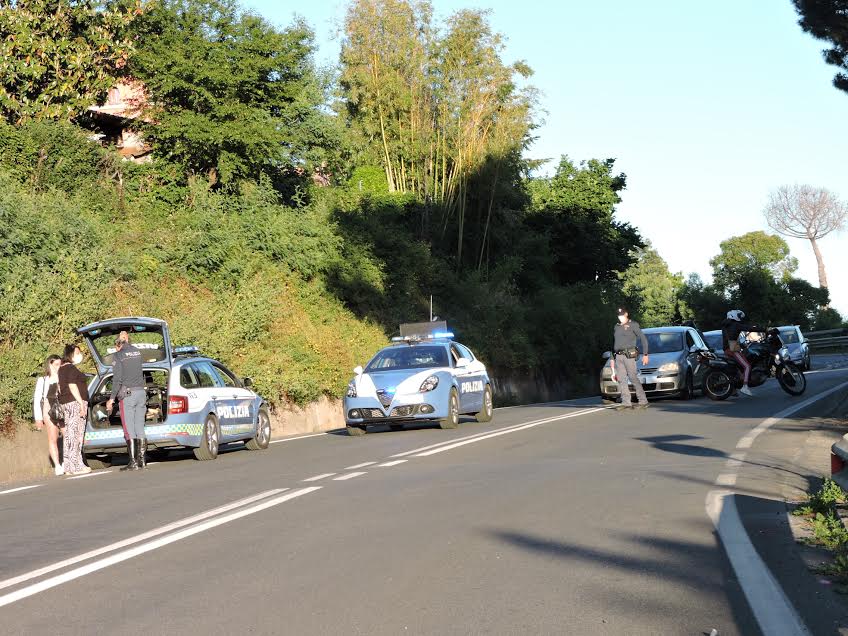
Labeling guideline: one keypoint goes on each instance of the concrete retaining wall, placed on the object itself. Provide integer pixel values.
(25, 457)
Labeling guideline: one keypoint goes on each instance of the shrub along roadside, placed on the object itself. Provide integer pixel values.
(822, 513)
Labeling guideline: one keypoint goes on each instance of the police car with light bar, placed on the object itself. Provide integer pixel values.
(423, 376)
(192, 401)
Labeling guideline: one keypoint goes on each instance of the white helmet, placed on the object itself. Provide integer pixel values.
(736, 314)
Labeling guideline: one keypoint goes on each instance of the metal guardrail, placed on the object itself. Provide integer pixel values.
(839, 342)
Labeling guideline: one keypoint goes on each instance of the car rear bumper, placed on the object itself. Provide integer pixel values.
(158, 436)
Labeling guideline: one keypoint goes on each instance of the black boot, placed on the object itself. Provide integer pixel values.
(141, 449)
(132, 464)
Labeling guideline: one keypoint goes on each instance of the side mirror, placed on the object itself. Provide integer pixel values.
(358, 370)
(694, 349)
(247, 382)
(607, 355)
(462, 362)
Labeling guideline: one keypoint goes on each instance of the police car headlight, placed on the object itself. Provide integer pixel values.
(351, 389)
(429, 384)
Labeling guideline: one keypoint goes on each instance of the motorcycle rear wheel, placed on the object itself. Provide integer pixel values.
(718, 384)
(791, 378)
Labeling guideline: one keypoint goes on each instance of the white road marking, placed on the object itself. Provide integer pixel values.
(771, 607)
(93, 473)
(394, 463)
(450, 441)
(8, 492)
(362, 465)
(319, 477)
(347, 476)
(52, 582)
(138, 538)
(773, 611)
(514, 429)
(291, 439)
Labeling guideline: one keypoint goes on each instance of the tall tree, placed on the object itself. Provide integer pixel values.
(58, 57)
(828, 20)
(802, 211)
(752, 253)
(231, 96)
(652, 289)
(434, 107)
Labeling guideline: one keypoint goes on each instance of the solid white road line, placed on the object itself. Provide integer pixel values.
(347, 476)
(362, 465)
(19, 489)
(139, 538)
(291, 439)
(319, 477)
(771, 607)
(93, 473)
(442, 449)
(394, 463)
(71, 575)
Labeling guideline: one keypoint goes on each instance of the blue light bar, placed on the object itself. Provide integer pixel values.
(442, 334)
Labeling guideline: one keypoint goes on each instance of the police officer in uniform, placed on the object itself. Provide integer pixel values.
(128, 389)
(623, 361)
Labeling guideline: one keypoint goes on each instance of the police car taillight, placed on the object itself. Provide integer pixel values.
(177, 404)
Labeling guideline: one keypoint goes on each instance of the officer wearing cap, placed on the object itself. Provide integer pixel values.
(128, 388)
(623, 361)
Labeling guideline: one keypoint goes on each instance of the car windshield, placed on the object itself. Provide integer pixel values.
(411, 357)
(714, 341)
(663, 342)
(789, 336)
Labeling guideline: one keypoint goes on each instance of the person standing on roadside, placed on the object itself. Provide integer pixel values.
(128, 388)
(46, 392)
(73, 396)
(623, 361)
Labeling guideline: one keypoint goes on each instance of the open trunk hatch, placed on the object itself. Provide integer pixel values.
(150, 335)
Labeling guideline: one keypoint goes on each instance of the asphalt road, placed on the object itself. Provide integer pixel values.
(554, 519)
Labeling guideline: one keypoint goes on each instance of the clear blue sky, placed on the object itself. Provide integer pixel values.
(705, 106)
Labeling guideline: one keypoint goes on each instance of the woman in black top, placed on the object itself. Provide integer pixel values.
(73, 396)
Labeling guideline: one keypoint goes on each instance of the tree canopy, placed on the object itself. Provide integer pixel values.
(231, 96)
(653, 292)
(828, 20)
(58, 57)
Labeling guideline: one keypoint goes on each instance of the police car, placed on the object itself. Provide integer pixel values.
(192, 401)
(423, 376)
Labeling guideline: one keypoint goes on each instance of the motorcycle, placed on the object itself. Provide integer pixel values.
(768, 359)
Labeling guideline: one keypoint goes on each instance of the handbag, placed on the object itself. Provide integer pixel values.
(55, 410)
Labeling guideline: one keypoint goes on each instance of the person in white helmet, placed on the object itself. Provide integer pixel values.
(733, 325)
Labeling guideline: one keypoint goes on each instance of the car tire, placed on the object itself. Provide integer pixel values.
(688, 391)
(356, 431)
(808, 363)
(210, 440)
(488, 411)
(263, 432)
(452, 420)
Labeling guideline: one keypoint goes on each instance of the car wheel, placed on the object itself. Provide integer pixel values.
(356, 431)
(452, 420)
(808, 363)
(209, 441)
(688, 391)
(488, 406)
(263, 432)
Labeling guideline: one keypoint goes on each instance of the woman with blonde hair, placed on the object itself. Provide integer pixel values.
(47, 393)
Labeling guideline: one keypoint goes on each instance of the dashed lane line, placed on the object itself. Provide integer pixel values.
(19, 489)
(176, 525)
(319, 477)
(125, 555)
(362, 465)
(394, 463)
(347, 476)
